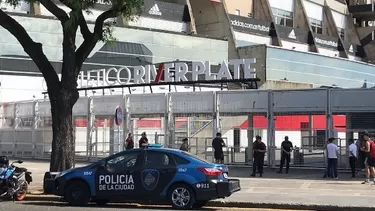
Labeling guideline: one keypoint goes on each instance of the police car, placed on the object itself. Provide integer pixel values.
(151, 174)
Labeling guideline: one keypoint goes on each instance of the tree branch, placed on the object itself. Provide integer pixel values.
(55, 10)
(88, 44)
(33, 49)
(85, 31)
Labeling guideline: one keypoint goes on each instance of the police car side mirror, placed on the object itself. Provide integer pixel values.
(100, 165)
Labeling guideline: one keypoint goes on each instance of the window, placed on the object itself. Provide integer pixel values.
(180, 160)
(237, 12)
(341, 32)
(157, 159)
(283, 17)
(194, 157)
(316, 26)
(122, 161)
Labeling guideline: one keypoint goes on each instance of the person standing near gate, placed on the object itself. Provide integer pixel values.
(352, 156)
(143, 140)
(259, 151)
(217, 145)
(369, 149)
(332, 151)
(185, 145)
(129, 143)
(286, 149)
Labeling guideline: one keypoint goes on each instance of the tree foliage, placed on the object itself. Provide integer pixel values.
(63, 94)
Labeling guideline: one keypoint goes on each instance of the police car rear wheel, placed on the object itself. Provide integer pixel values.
(182, 196)
(77, 194)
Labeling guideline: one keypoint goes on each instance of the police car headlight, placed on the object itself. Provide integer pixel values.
(62, 173)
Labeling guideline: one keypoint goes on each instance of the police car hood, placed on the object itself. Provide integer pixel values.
(74, 170)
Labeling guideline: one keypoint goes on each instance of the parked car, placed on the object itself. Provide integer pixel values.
(151, 174)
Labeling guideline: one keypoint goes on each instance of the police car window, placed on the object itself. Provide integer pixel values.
(122, 161)
(195, 157)
(157, 158)
(180, 160)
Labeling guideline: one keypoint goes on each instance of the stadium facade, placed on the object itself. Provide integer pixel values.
(297, 44)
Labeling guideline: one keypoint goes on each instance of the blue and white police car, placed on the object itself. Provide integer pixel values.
(152, 174)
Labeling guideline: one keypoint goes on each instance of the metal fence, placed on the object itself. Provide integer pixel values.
(308, 117)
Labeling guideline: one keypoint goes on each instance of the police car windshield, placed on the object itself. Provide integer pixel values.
(195, 157)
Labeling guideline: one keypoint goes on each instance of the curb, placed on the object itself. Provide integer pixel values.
(286, 206)
(224, 204)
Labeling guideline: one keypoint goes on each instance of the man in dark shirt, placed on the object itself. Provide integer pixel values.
(218, 144)
(129, 143)
(286, 148)
(143, 140)
(259, 150)
(185, 145)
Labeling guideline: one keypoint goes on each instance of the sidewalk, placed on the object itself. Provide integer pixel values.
(304, 189)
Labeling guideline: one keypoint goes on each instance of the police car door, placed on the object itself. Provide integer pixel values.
(158, 170)
(120, 175)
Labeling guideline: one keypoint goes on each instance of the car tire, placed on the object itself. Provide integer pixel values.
(199, 204)
(181, 196)
(77, 193)
(101, 202)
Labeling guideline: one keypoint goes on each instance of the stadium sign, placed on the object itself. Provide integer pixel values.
(168, 72)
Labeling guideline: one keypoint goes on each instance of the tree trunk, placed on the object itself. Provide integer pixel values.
(63, 143)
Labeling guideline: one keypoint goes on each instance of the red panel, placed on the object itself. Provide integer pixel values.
(149, 123)
(294, 122)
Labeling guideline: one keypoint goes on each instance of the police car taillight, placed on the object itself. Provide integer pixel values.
(210, 171)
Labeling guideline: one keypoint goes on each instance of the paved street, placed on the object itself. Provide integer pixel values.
(56, 206)
(298, 187)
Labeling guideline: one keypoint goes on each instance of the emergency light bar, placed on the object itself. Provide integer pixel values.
(152, 145)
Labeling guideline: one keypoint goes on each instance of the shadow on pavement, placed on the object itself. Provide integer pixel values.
(111, 205)
(294, 173)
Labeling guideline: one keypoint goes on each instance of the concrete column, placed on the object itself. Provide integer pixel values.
(89, 129)
(271, 160)
(250, 139)
(349, 129)
(311, 133)
(113, 139)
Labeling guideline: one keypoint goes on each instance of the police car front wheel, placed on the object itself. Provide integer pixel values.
(181, 196)
(77, 193)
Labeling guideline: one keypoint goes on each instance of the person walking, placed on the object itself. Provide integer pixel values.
(332, 152)
(185, 145)
(286, 149)
(217, 145)
(143, 140)
(353, 157)
(129, 143)
(259, 151)
(369, 149)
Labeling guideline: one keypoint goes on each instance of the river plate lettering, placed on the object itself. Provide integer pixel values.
(116, 182)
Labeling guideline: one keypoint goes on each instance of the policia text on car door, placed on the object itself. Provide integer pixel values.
(120, 175)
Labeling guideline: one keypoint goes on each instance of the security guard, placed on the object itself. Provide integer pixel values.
(286, 149)
(259, 151)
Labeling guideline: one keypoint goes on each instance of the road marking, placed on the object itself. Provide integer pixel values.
(305, 185)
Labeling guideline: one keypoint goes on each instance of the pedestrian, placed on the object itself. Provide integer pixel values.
(185, 145)
(259, 151)
(286, 149)
(143, 141)
(129, 143)
(352, 156)
(332, 152)
(369, 149)
(217, 145)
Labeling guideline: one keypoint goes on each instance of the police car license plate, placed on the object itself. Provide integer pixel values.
(225, 175)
